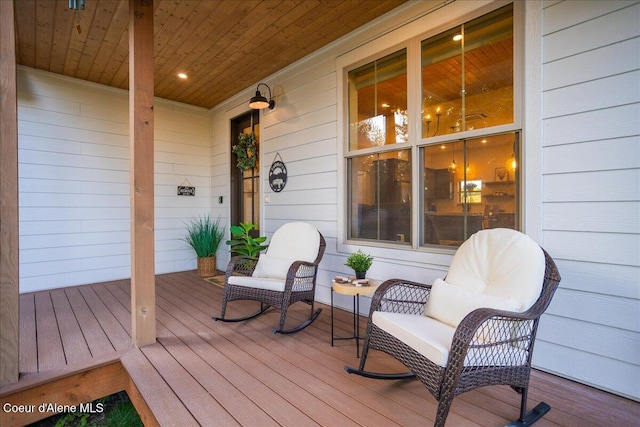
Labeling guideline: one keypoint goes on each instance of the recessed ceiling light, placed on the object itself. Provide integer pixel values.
(385, 105)
(457, 37)
(183, 76)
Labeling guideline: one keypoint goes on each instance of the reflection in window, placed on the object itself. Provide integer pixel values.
(470, 191)
(378, 102)
(380, 196)
(468, 186)
(373, 130)
(467, 76)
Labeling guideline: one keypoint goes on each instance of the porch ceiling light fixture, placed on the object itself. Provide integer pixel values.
(74, 4)
(259, 102)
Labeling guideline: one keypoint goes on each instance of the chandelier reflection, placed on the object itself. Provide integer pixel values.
(428, 122)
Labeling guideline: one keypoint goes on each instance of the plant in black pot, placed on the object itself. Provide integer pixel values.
(360, 263)
(204, 235)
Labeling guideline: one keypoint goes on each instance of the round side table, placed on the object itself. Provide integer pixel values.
(355, 292)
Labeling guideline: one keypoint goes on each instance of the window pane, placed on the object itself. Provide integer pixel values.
(441, 84)
(467, 76)
(460, 200)
(488, 43)
(378, 103)
(380, 196)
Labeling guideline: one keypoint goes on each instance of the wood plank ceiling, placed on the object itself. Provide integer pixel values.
(223, 46)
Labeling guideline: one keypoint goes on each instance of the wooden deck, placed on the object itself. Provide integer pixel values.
(223, 374)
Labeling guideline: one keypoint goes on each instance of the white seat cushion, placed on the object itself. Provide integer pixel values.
(433, 339)
(258, 282)
(427, 336)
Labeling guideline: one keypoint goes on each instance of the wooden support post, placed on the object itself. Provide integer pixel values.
(143, 299)
(9, 274)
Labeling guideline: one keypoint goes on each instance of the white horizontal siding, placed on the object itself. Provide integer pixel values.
(582, 366)
(591, 191)
(574, 27)
(74, 181)
(588, 174)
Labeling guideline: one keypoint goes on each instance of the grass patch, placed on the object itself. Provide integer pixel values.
(115, 410)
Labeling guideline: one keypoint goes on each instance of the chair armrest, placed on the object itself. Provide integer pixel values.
(491, 334)
(302, 274)
(241, 266)
(480, 319)
(400, 296)
(301, 269)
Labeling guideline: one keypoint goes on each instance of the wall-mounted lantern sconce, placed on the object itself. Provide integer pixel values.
(259, 102)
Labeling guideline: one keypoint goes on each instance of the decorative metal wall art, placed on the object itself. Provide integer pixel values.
(277, 174)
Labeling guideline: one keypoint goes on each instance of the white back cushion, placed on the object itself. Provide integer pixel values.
(502, 263)
(450, 304)
(272, 267)
(295, 241)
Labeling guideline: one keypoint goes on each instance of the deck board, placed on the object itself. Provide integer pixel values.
(214, 373)
(28, 339)
(116, 334)
(50, 349)
(227, 369)
(73, 340)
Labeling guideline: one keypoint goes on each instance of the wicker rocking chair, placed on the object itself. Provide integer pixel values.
(285, 274)
(476, 329)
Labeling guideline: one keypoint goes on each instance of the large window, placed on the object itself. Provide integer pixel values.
(380, 179)
(465, 147)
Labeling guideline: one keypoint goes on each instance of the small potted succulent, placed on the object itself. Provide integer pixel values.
(360, 263)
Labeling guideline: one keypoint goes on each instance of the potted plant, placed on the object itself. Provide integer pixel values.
(204, 235)
(360, 263)
(242, 243)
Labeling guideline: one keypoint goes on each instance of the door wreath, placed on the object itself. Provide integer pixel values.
(246, 150)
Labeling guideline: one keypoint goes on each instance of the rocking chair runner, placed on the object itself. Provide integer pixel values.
(285, 274)
(475, 330)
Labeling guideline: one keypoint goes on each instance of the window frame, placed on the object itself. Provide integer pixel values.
(381, 47)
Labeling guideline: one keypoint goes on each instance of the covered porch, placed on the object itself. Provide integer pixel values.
(76, 342)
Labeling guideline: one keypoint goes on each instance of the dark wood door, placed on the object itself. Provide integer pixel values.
(245, 185)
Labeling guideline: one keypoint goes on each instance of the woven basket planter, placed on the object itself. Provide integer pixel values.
(207, 266)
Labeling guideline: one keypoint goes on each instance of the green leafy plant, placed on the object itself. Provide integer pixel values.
(359, 261)
(246, 150)
(242, 243)
(115, 410)
(123, 414)
(204, 235)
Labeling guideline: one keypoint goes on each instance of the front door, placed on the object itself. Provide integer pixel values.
(245, 185)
